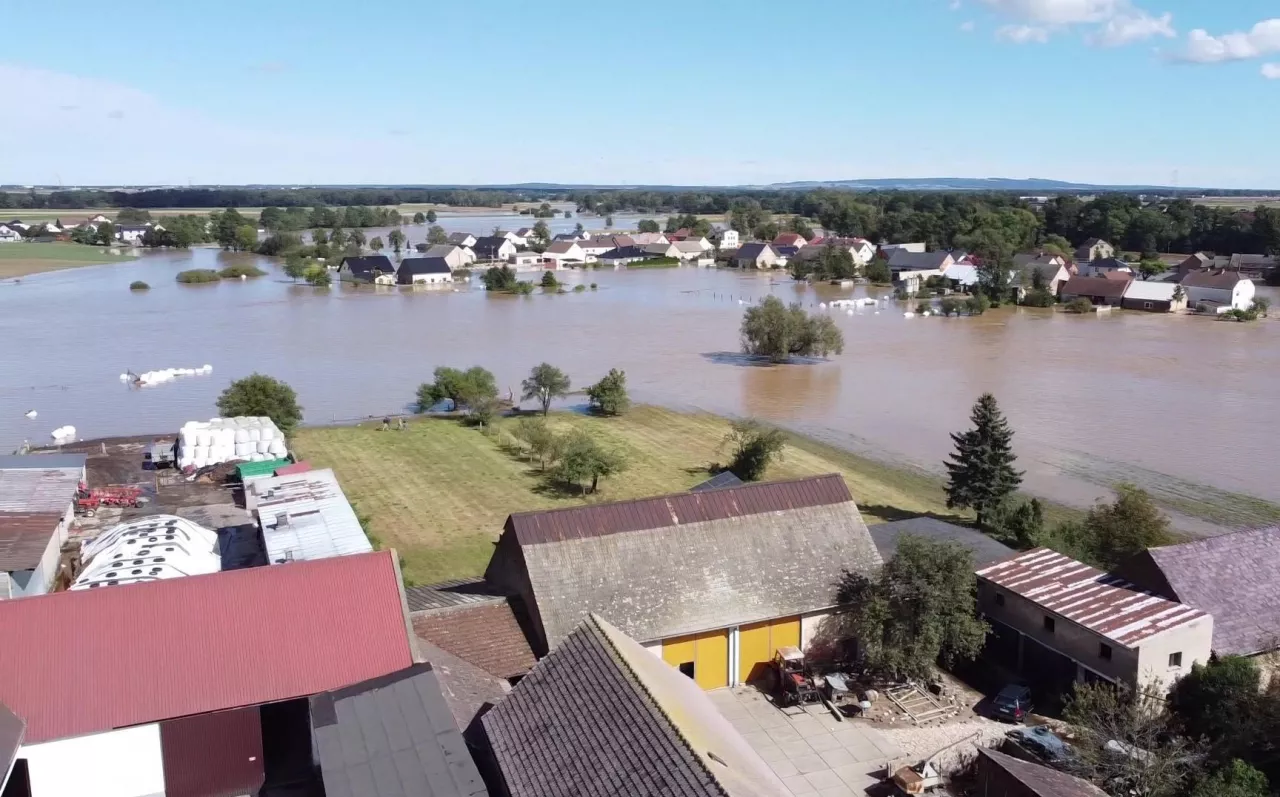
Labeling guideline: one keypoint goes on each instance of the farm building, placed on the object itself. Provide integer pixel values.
(37, 507)
(424, 271)
(305, 516)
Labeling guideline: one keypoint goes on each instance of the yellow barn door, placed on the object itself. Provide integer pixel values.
(758, 642)
(703, 657)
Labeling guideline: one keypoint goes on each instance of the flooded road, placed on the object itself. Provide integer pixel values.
(1171, 403)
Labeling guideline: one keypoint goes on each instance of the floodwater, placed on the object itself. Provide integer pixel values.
(1171, 403)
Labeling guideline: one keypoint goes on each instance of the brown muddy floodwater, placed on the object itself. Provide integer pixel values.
(1184, 406)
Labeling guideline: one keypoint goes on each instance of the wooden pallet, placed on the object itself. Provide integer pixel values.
(919, 706)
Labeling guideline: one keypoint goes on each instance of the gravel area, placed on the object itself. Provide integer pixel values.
(919, 743)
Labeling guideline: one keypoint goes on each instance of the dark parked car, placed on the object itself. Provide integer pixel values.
(1012, 704)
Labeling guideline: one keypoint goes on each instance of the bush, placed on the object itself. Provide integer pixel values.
(755, 446)
(462, 273)
(593, 286)
(197, 275)
(1040, 298)
(522, 288)
(579, 288)
(261, 395)
(609, 395)
(549, 280)
(241, 270)
(656, 262)
(139, 285)
(977, 304)
(951, 306)
(923, 307)
(1080, 305)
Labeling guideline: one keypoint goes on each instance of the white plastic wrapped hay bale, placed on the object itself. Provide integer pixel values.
(242, 435)
(278, 449)
(254, 433)
(245, 449)
(263, 446)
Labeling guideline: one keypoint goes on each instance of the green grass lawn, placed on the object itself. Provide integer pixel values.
(21, 258)
(439, 492)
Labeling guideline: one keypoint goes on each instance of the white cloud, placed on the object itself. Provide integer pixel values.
(1271, 71)
(1109, 23)
(1261, 39)
(967, 27)
(1023, 34)
(954, 5)
(1130, 27)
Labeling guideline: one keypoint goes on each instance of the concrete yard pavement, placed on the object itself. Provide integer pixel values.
(815, 754)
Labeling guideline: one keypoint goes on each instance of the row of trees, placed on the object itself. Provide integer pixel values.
(264, 197)
(296, 218)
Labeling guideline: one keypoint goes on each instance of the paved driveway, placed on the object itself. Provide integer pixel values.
(815, 754)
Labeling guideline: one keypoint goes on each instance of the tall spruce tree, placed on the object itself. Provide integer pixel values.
(981, 474)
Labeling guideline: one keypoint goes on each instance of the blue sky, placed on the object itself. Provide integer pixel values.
(692, 92)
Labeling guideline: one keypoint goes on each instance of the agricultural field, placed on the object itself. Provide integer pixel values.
(21, 258)
(439, 492)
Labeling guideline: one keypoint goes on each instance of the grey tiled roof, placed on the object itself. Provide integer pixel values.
(904, 260)
(600, 716)
(466, 688)
(460, 592)
(985, 550)
(1234, 577)
(392, 736)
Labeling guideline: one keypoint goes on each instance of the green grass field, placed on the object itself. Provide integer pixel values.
(22, 258)
(439, 492)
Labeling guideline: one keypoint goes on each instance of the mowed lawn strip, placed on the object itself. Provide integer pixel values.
(439, 492)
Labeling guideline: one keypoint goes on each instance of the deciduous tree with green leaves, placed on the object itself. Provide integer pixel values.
(418, 218)
(648, 225)
(1237, 779)
(980, 473)
(1127, 526)
(431, 217)
(376, 244)
(545, 384)
(609, 395)
(541, 232)
(774, 330)
(259, 395)
(543, 442)
(396, 239)
(583, 460)
(437, 235)
(465, 389)
(918, 610)
(755, 446)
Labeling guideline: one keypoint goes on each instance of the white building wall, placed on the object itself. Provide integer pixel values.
(1193, 640)
(123, 763)
(729, 239)
(654, 647)
(810, 626)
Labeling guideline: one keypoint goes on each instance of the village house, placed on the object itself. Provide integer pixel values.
(456, 256)
(756, 255)
(1102, 267)
(1218, 291)
(860, 249)
(244, 650)
(464, 239)
(1052, 268)
(691, 249)
(525, 259)
(1094, 249)
(563, 253)
(524, 234)
(493, 248)
(9, 234)
(596, 246)
(786, 253)
(18, 224)
(712, 582)
(887, 250)
(424, 271)
(1234, 576)
(599, 703)
(1098, 290)
(625, 255)
(377, 269)
(1252, 266)
(646, 238)
(910, 269)
(1061, 622)
(515, 238)
(961, 276)
(37, 508)
(1000, 775)
(984, 549)
(1153, 297)
(789, 239)
(729, 239)
(131, 233)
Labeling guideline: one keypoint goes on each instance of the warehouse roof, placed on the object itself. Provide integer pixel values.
(1105, 604)
(24, 538)
(601, 716)
(985, 550)
(305, 516)
(1234, 577)
(392, 736)
(488, 635)
(1038, 779)
(676, 564)
(42, 461)
(142, 653)
(38, 489)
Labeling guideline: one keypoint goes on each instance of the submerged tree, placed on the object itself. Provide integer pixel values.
(609, 395)
(259, 395)
(466, 389)
(778, 332)
(981, 474)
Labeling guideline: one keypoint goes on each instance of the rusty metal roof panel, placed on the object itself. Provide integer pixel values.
(558, 525)
(38, 490)
(1105, 604)
(24, 538)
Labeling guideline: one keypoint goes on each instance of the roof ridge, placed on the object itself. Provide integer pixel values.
(594, 620)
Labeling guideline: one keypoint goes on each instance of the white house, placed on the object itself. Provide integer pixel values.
(9, 234)
(455, 256)
(691, 250)
(594, 247)
(669, 249)
(515, 238)
(424, 271)
(1100, 267)
(757, 255)
(625, 255)
(377, 269)
(464, 239)
(729, 239)
(565, 252)
(1218, 291)
(646, 238)
(889, 249)
(98, 219)
(525, 259)
(131, 233)
(493, 248)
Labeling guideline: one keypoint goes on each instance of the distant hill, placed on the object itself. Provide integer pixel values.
(1030, 185)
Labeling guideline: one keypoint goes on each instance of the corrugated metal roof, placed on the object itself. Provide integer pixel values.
(1150, 291)
(1105, 604)
(38, 490)
(213, 755)
(557, 525)
(42, 461)
(305, 516)
(141, 653)
(460, 592)
(24, 537)
(12, 731)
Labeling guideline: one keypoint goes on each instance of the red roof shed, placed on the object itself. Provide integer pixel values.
(139, 653)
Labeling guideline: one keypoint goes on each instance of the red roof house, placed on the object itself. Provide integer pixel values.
(133, 654)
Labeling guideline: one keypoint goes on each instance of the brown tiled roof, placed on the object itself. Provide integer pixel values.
(1097, 286)
(1236, 578)
(1105, 604)
(557, 525)
(1221, 280)
(1117, 275)
(490, 636)
(24, 537)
